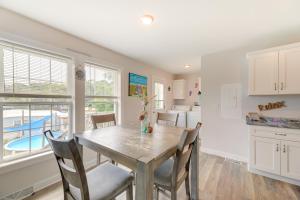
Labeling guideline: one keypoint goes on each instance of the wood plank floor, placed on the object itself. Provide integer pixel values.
(219, 179)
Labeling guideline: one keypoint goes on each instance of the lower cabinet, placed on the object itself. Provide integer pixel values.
(290, 159)
(265, 154)
(278, 154)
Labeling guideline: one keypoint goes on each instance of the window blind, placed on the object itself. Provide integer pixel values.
(32, 73)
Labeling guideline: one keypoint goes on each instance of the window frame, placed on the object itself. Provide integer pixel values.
(116, 98)
(49, 97)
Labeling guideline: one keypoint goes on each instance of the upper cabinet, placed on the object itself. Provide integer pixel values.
(289, 71)
(263, 74)
(275, 71)
(179, 89)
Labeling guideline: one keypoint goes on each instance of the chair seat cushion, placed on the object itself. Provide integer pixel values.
(104, 182)
(163, 174)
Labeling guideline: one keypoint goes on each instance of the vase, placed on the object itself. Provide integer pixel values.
(144, 125)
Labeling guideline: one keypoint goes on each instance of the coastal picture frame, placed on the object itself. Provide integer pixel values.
(137, 85)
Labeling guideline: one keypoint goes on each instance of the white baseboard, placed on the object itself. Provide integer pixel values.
(224, 154)
(274, 176)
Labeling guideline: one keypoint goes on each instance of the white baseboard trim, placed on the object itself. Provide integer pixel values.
(274, 176)
(224, 154)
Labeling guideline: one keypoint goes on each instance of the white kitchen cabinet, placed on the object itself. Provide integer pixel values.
(263, 74)
(275, 71)
(265, 154)
(275, 151)
(179, 89)
(290, 162)
(289, 71)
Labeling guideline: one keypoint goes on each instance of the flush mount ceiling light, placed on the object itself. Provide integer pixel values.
(147, 19)
(187, 66)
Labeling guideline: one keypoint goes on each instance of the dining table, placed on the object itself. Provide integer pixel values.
(140, 152)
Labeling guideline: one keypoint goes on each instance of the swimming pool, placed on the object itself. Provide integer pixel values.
(37, 142)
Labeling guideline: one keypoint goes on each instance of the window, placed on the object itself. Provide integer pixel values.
(35, 96)
(101, 92)
(159, 96)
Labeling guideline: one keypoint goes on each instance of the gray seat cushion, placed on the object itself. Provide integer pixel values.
(163, 174)
(104, 181)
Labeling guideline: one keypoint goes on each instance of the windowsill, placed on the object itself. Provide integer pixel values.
(13, 165)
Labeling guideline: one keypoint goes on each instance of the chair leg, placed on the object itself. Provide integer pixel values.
(134, 177)
(98, 158)
(187, 187)
(129, 193)
(114, 162)
(173, 194)
(157, 192)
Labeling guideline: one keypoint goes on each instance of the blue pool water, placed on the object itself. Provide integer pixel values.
(22, 144)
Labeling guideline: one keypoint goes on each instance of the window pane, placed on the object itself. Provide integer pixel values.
(98, 107)
(8, 70)
(58, 77)
(60, 119)
(16, 131)
(159, 95)
(31, 73)
(100, 81)
(159, 104)
(39, 75)
(24, 127)
(21, 72)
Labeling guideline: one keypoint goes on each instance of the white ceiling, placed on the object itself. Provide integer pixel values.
(183, 30)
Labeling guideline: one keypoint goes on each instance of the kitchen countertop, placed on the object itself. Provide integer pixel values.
(274, 122)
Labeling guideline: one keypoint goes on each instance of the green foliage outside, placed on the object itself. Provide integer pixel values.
(100, 88)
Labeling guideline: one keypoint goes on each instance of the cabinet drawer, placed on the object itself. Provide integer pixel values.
(276, 133)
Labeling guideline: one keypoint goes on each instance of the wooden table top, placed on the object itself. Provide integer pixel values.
(131, 143)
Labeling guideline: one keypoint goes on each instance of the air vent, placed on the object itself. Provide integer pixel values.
(19, 195)
(233, 161)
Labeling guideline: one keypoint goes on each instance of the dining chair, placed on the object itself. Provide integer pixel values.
(104, 182)
(102, 121)
(171, 174)
(167, 118)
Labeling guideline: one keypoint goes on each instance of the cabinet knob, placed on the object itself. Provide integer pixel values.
(281, 85)
(275, 86)
(284, 150)
(277, 147)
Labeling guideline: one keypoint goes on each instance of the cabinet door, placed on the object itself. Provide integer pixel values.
(263, 74)
(290, 162)
(289, 71)
(265, 154)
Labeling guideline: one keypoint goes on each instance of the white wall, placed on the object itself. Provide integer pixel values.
(229, 137)
(23, 30)
(191, 79)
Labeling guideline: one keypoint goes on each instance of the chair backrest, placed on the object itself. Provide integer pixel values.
(67, 149)
(103, 120)
(168, 118)
(184, 151)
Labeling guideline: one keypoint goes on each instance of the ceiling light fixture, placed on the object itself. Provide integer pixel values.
(147, 19)
(187, 66)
